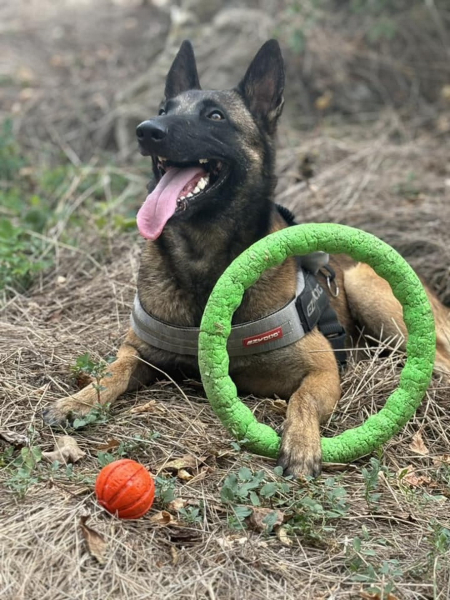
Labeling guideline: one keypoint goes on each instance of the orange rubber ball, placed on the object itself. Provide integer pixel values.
(125, 488)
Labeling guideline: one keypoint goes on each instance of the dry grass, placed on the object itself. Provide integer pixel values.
(83, 304)
(388, 177)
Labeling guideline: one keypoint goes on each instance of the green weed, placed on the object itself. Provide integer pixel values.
(439, 538)
(192, 514)
(165, 489)
(371, 481)
(105, 458)
(23, 470)
(366, 567)
(97, 416)
(309, 509)
(96, 369)
(20, 257)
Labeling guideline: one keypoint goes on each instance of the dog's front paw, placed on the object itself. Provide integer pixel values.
(300, 452)
(63, 412)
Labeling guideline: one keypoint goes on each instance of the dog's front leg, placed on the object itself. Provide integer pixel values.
(310, 405)
(127, 372)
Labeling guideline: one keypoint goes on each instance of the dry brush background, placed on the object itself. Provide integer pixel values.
(367, 108)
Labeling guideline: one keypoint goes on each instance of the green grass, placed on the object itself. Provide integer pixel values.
(44, 205)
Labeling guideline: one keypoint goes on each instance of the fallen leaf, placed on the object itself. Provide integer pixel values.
(109, 445)
(418, 445)
(177, 504)
(224, 543)
(66, 450)
(148, 407)
(181, 466)
(184, 475)
(96, 543)
(282, 535)
(163, 519)
(263, 519)
(16, 439)
(185, 462)
(204, 471)
(440, 461)
(410, 477)
(230, 540)
(174, 553)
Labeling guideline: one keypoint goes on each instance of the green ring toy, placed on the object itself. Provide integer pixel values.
(273, 250)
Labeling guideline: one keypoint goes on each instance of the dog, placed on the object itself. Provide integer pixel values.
(213, 160)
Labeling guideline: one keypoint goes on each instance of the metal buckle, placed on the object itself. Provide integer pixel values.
(335, 292)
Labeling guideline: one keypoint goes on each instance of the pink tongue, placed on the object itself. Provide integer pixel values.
(160, 205)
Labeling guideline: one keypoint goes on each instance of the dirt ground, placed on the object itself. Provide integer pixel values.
(376, 529)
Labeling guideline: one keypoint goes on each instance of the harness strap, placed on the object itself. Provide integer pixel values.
(277, 330)
(335, 334)
(314, 308)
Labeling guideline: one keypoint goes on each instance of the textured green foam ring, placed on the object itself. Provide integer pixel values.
(273, 250)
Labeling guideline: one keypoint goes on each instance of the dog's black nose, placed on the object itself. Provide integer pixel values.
(151, 131)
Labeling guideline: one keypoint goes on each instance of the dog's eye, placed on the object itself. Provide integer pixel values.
(216, 115)
(161, 112)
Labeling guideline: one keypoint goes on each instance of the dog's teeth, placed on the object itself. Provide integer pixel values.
(197, 189)
(203, 160)
(202, 183)
(189, 195)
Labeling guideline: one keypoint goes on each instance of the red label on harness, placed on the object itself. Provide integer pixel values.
(263, 338)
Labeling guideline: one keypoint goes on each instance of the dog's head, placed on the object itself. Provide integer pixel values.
(205, 144)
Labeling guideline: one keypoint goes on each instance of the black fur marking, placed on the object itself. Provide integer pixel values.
(263, 85)
(183, 74)
(287, 215)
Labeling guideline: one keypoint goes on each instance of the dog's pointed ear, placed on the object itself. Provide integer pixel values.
(183, 74)
(263, 85)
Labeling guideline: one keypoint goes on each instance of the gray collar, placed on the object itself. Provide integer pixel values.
(277, 330)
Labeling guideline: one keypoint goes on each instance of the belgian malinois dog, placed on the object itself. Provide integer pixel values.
(213, 161)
